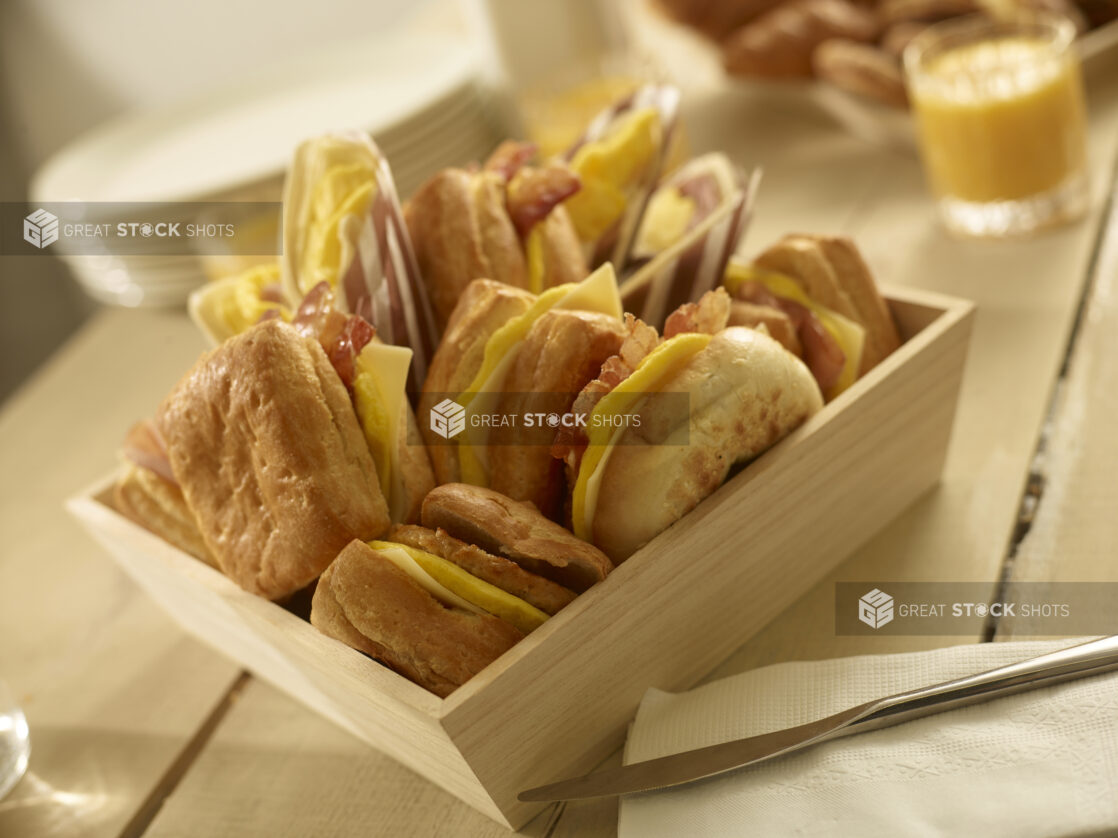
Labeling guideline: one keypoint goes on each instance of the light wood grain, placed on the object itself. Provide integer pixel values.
(559, 701)
(359, 695)
(113, 691)
(1074, 533)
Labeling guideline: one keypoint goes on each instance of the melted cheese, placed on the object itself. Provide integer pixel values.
(665, 221)
(537, 260)
(598, 292)
(850, 336)
(452, 585)
(402, 557)
(609, 168)
(229, 306)
(378, 396)
(342, 185)
(650, 376)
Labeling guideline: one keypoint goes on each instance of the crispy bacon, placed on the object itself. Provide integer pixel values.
(510, 157)
(821, 352)
(709, 315)
(144, 446)
(535, 191)
(570, 443)
(342, 336)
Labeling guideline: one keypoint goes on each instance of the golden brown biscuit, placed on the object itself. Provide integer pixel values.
(861, 69)
(927, 11)
(367, 602)
(516, 530)
(780, 43)
(263, 439)
(716, 18)
(562, 351)
(158, 505)
(505, 574)
(832, 273)
(461, 231)
(484, 307)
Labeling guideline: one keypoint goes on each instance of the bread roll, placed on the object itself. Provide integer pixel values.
(746, 393)
(562, 351)
(263, 439)
(368, 603)
(506, 574)
(832, 272)
(517, 531)
(485, 306)
(461, 231)
(158, 505)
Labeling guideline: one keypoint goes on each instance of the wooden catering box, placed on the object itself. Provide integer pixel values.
(559, 702)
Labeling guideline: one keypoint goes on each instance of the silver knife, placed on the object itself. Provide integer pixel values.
(1093, 658)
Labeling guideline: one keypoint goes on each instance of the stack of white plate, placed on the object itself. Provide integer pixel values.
(419, 95)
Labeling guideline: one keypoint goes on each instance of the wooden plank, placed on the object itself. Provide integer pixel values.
(1073, 536)
(112, 689)
(274, 768)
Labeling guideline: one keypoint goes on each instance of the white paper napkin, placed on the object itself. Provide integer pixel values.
(1041, 763)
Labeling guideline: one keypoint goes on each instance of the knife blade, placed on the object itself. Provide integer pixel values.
(1093, 658)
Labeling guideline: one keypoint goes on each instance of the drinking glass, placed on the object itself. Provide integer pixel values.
(1001, 121)
(15, 741)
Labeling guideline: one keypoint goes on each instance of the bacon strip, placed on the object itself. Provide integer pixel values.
(708, 316)
(144, 446)
(535, 191)
(570, 443)
(510, 157)
(342, 336)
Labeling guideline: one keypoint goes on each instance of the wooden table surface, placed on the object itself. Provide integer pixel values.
(139, 730)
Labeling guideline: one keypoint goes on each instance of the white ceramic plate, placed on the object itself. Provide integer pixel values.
(246, 132)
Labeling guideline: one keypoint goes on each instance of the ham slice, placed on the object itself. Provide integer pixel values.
(144, 446)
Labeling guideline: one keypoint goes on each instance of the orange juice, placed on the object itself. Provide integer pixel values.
(1000, 120)
(1002, 123)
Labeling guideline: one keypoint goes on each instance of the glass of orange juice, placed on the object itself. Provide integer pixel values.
(1001, 121)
